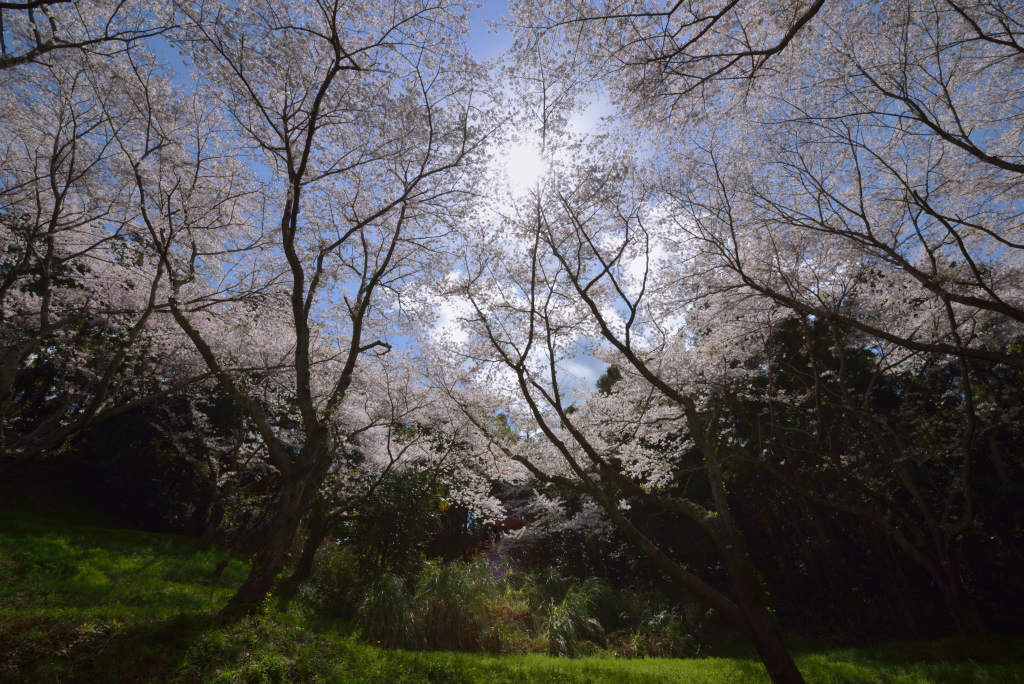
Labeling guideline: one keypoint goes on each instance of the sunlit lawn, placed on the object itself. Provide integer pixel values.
(95, 604)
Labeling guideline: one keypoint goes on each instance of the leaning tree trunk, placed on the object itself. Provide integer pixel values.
(212, 526)
(292, 505)
(755, 622)
(945, 572)
(753, 619)
(319, 526)
(961, 605)
(761, 631)
(270, 558)
(747, 614)
(964, 610)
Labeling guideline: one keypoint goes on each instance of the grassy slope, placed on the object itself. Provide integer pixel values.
(82, 602)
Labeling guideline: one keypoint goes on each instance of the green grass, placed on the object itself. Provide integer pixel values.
(110, 573)
(86, 603)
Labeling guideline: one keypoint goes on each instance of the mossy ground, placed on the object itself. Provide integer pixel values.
(83, 602)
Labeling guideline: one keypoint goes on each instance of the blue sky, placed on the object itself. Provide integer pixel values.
(482, 44)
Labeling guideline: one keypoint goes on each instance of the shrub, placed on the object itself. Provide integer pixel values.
(451, 605)
(663, 630)
(387, 614)
(463, 606)
(550, 589)
(337, 587)
(574, 621)
(513, 624)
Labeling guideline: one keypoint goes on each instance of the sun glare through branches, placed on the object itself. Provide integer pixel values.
(524, 165)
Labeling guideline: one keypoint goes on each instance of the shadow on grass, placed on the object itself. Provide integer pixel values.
(961, 660)
(978, 649)
(49, 649)
(91, 604)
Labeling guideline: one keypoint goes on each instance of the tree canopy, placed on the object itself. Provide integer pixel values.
(310, 255)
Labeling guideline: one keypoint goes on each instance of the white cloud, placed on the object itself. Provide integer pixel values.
(447, 326)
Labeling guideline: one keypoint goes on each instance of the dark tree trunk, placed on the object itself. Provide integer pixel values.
(755, 622)
(298, 491)
(958, 600)
(747, 614)
(761, 631)
(293, 502)
(319, 526)
(270, 558)
(196, 520)
(212, 526)
(753, 619)
(899, 592)
(962, 607)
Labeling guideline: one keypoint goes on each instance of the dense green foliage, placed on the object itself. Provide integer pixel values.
(479, 606)
(856, 487)
(86, 603)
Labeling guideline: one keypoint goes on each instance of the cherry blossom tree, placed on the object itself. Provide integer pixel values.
(283, 223)
(871, 181)
(363, 120)
(80, 287)
(869, 142)
(393, 424)
(826, 161)
(666, 52)
(888, 427)
(31, 30)
(561, 266)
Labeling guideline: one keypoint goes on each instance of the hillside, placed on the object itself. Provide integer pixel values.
(82, 602)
